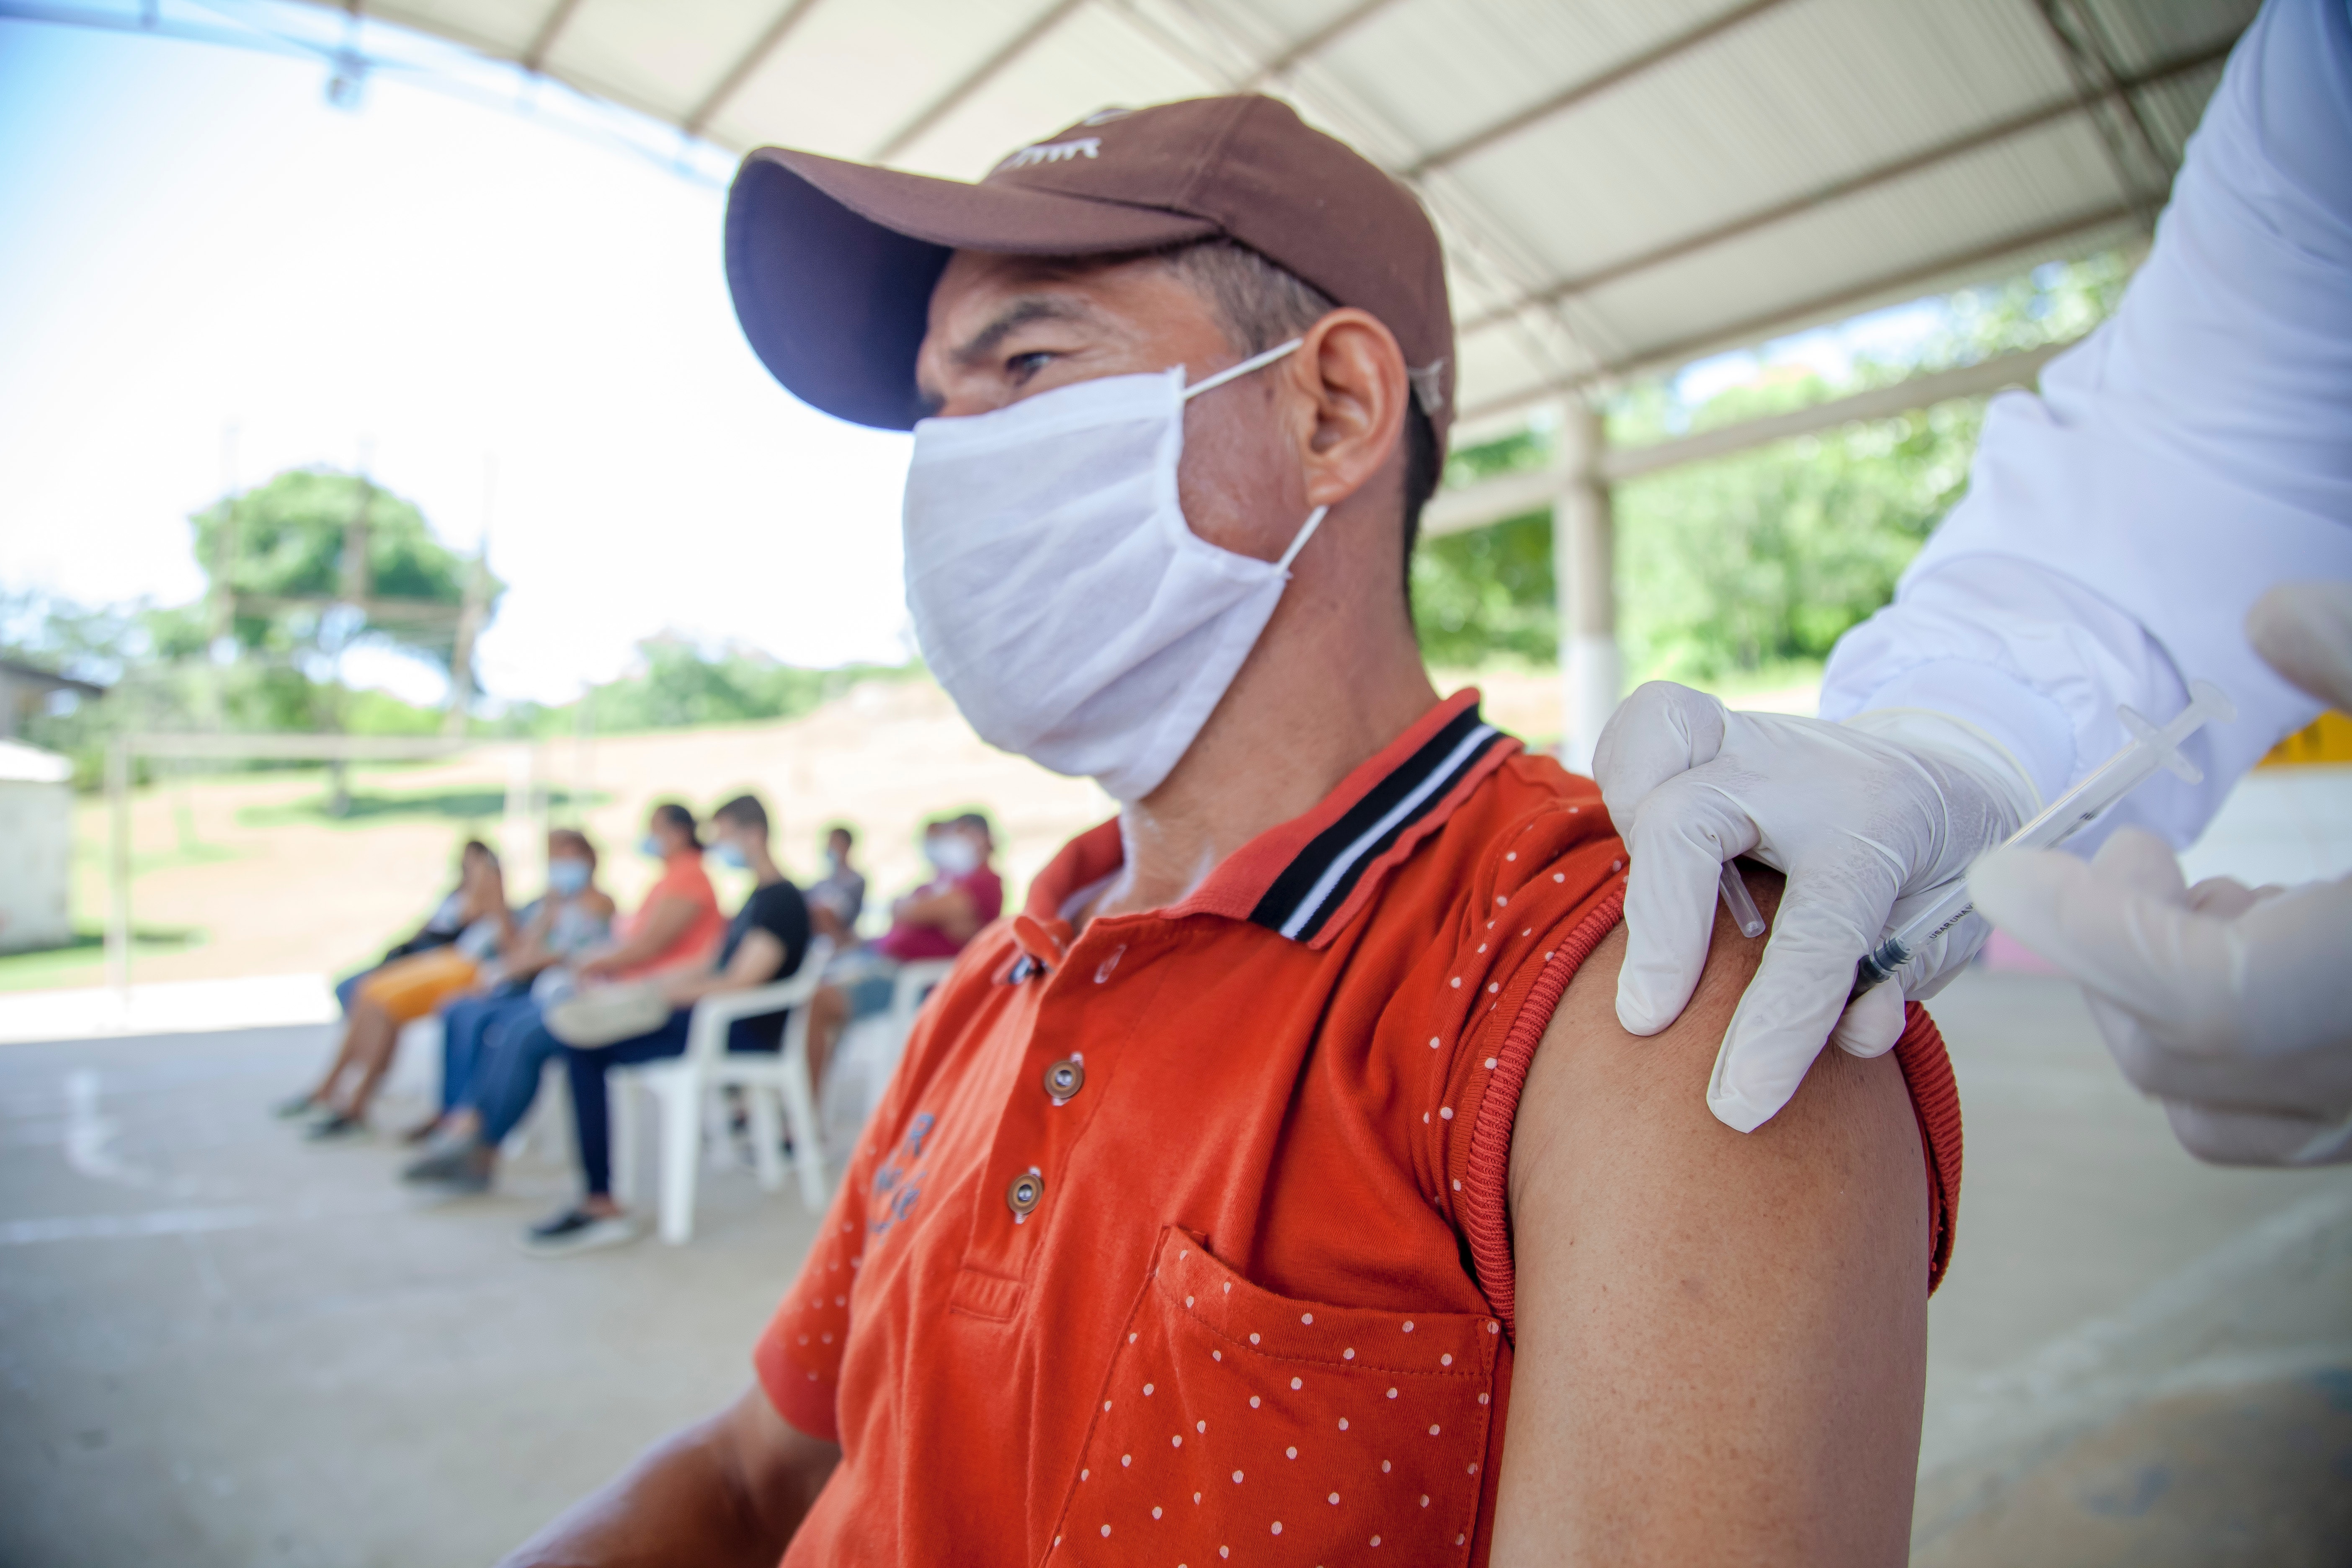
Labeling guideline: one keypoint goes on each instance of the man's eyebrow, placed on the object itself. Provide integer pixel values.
(1019, 314)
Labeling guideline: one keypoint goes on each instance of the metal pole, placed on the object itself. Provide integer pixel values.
(1584, 551)
(118, 867)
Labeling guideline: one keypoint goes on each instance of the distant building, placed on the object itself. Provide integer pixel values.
(35, 815)
(36, 848)
(25, 686)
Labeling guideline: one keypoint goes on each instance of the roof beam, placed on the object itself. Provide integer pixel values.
(945, 103)
(1757, 329)
(1852, 184)
(1316, 42)
(534, 55)
(1515, 495)
(2086, 55)
(1623, 70)
(751, 60)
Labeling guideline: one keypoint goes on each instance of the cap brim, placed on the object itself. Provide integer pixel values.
(832, 265)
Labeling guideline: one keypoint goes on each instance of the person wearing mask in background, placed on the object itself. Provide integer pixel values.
(440, 928)
(936, 921)
(676, 927)
(1233, 1190)
(838, 897)
(621, 1026)
(571, 918)
(397, 993)
(2121, 530)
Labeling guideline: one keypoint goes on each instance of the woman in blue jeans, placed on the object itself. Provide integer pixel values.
(765, 941)
(574, 916)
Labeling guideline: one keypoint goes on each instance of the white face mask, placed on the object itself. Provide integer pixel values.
(1058, 593)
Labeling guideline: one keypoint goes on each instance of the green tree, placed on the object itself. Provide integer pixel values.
(678, 683)
(1764, 557)
(290, 537)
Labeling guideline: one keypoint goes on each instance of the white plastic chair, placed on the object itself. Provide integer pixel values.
(913, 982)
(682, 1084)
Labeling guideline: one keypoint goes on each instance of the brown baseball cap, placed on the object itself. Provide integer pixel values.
(831, 263)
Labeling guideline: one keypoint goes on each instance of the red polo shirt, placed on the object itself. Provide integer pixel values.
(1181, 1240)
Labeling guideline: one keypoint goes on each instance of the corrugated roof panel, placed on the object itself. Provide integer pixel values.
(1712, 135)
(670, 52)
(2144, 31)
(501, 27)
(847, 78)
(2172, 109)
(2040, 182)
(1094, 59)
(1445, 71)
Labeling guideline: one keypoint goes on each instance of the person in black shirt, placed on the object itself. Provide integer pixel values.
(765, 941)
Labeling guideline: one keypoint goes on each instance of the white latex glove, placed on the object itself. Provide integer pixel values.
(1869, 819)
(2232, 1005)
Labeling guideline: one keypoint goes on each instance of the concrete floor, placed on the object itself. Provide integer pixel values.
(218, 1345)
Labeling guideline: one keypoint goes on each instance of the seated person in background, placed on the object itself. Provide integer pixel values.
(935, 920)
(439, 930)
(675, 927)
(765, 941)
(836, 899)
(405, 989)
(571, 918)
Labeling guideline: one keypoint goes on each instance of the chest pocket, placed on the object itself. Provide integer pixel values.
(1239, 1426)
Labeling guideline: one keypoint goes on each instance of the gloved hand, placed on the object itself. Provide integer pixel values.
(2233, 1006)
(1870, 819)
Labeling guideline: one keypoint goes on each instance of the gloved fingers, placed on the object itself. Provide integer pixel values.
(2226, 897)
(1872, 1022)
(1685, 829)
(1660, 730)
(2303, 630)
(2140, 949)
(2226, 1137)
(2304, 1083)
(1798, 996)
(2136, 858)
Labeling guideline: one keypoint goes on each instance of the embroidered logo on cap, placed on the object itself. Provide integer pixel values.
(1053, 153)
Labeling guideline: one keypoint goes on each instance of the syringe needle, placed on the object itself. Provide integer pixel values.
(1735, 900)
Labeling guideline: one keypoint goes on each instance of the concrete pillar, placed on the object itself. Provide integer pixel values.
(1583, 545)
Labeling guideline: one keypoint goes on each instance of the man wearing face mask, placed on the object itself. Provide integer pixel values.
(1233, 1190)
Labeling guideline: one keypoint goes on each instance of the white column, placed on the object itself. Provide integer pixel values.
(1583, 545)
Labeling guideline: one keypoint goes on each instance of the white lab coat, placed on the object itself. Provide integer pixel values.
(2189, 454)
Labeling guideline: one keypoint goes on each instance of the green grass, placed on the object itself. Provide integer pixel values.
(82, 961)
(368, 808)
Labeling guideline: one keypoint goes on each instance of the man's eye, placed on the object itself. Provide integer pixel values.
(1021, 367)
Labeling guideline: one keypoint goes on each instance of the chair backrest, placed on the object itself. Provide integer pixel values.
(909, 987)
(706, 1035)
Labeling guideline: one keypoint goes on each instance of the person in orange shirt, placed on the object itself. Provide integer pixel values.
(1279, 1184)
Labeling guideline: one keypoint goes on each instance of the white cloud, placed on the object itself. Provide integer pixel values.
(201, 242)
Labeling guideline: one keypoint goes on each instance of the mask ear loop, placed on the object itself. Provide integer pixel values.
(1314, 520)
(1247, 365)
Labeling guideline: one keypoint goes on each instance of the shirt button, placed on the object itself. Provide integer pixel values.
(1027, 1191)
(1066, 1077)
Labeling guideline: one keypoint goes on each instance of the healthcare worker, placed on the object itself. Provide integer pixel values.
(2188, 456)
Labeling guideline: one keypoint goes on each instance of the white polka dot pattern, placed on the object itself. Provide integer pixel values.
(1325, 1426)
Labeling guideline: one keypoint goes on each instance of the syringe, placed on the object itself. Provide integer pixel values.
(2151, 748)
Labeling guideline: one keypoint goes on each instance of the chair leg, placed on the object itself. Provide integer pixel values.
(621, 1090)
(681, 1155)
(808, 1144)
(767, 1133)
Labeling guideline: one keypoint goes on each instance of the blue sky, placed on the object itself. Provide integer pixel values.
(197, 240)
(454, 277)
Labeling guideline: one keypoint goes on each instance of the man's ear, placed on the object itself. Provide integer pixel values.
(1353, 374)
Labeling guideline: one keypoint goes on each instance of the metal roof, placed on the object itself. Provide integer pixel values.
(1623, 184)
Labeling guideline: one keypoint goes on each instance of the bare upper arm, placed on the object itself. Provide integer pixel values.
(1721, 1337)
